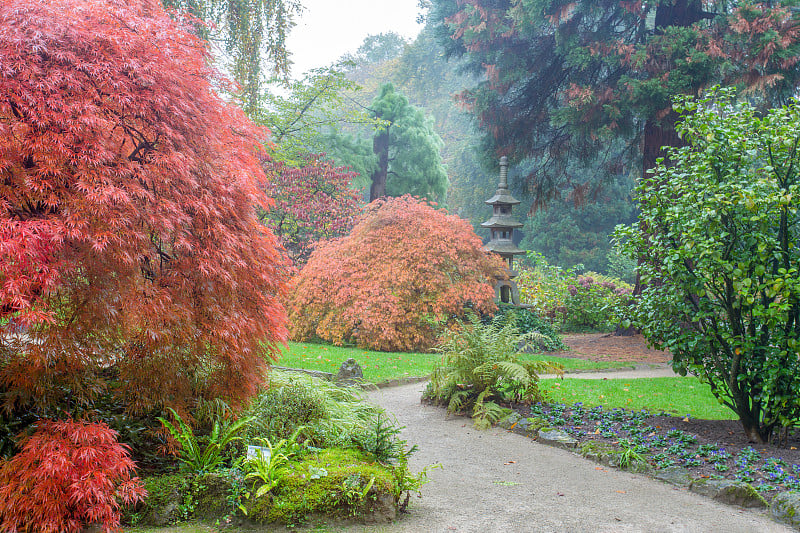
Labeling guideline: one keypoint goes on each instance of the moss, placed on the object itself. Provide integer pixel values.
(216, 493)
(535, 424)
(168, 500)
(744, 494)
(597, 451)
(350, 473)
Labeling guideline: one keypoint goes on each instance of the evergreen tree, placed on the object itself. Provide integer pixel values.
(569, 234)
(562, 79)
(405, 155)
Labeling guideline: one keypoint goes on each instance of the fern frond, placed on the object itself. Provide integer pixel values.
(485, 414)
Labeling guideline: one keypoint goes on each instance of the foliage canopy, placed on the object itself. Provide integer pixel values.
(253, 33)
(405, 150)
(128, 237)
(562, 78)
(313, 202)
(404, 271)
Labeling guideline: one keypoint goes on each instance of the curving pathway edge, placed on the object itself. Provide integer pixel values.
(498, 481)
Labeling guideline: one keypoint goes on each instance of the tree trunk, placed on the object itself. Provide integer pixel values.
(380, 146)
(660, 132)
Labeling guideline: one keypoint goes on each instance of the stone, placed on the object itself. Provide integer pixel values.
(730, 492)
(211, 493)
(350, 373)
(509, 420)
(674, 475)
(382, 510)
(785, 508)
(557, 438)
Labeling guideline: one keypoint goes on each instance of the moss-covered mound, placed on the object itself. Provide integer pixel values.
(334, 482)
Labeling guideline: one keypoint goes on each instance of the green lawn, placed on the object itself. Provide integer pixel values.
(678, 396)
(384, 366)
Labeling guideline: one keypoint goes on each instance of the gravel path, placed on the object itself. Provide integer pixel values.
(497, 481)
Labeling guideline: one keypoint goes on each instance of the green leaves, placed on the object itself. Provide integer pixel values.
(481, 365)
(719, 234)
(195, 457)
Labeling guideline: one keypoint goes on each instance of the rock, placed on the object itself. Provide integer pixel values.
(382, 511)
(557, 438)
(675, 475)
(211, 494)
(165, 515)
(349, 373)
(163, 504)
(785, 508)
(728, 491)
(509, 420)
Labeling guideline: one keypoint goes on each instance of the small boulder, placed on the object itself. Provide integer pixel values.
(674, 475)
(350, 373)
(785, 508)
(557, 438)
(510, 420)
(211, 495)
(730, 492)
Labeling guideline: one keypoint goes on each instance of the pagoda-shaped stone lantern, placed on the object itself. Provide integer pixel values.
(501, 226)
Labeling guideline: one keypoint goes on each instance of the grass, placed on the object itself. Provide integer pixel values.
(679, 396)
(385, 366)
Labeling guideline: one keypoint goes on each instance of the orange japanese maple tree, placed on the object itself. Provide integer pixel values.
(405, 270)
(128, 236)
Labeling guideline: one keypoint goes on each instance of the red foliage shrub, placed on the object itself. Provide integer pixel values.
(67, 475)
(406, 270)
(312, 203)
(128, 235)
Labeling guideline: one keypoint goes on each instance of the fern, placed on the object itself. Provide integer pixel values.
(195, 457)
(481, 366)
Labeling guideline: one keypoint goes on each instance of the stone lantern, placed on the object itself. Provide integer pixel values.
(501, 226)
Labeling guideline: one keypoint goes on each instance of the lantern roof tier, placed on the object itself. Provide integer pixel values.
(502, 196)
(502, 248)
(502, 221)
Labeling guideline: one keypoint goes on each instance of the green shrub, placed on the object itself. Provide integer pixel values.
(527, 321)
(199, 454)
(722, 248)
(569, 301)
(332, 416)
(481, 366)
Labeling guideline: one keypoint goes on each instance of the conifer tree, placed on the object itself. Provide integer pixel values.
(562, 79)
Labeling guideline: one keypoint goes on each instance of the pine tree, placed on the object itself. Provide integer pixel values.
(563, 79)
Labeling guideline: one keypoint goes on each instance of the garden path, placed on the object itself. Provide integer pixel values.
(498, 481)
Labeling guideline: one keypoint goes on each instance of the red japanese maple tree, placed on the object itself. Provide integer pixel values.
(313, 202)
(68, 474)
(128, 234)
(405, 271)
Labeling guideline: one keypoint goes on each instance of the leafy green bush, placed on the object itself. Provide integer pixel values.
(203, 453)
(481, 366)
(527, 321)
(722, 247)
(568, 300)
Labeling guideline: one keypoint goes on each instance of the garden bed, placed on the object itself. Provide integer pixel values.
(712, 449)
(707, 448)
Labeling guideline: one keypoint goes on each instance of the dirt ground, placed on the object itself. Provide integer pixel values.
(607, 347)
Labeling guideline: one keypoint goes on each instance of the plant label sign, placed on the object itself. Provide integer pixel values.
(254, 451)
